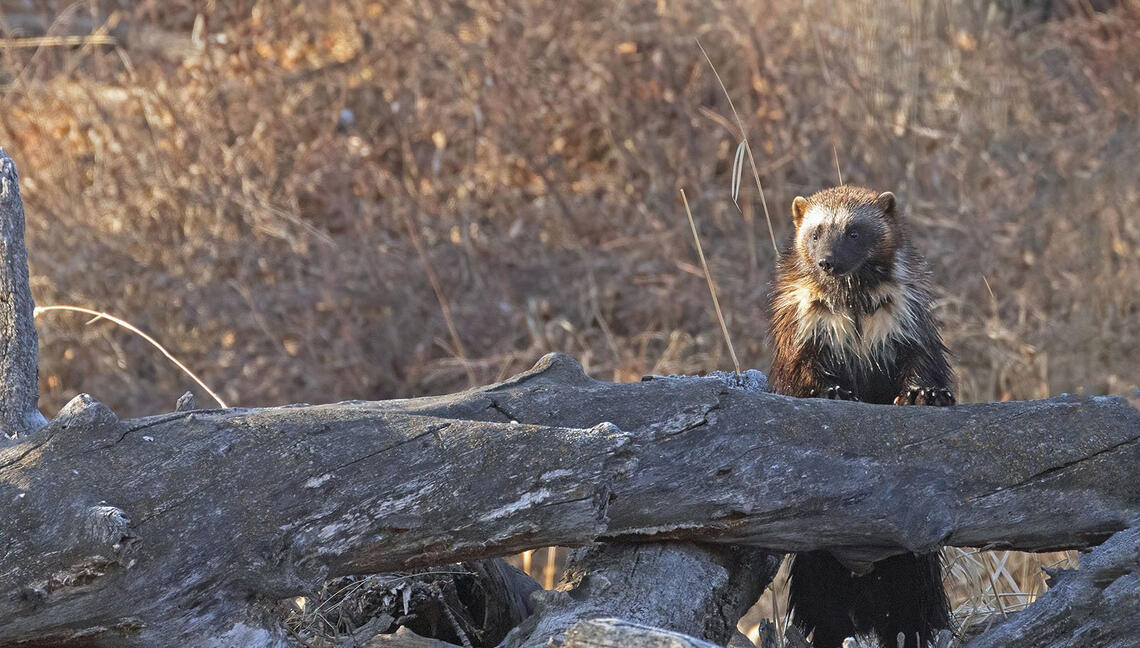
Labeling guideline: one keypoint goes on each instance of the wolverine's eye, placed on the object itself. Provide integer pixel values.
(815, 234)
(853, 234)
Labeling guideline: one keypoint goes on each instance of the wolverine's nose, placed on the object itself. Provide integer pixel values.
(827, 265)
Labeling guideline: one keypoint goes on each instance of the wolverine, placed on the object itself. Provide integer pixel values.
(851, 320)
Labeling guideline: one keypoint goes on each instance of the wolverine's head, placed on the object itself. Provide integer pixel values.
(842, 229)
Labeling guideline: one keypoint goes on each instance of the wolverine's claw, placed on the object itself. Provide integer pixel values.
(907, 397)
(925, 396)
(835, 392)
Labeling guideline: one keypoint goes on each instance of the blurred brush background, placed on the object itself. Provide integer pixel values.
(309, 201)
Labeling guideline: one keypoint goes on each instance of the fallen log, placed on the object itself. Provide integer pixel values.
(179, 519)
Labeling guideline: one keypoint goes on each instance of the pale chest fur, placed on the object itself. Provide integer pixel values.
(869, 334)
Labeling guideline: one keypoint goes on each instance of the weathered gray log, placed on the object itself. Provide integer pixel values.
(404, 638)
(602, 632)
(1095, 605)
(655, 591)
(619, 633)
(479, 601)
(166, 526)
(19, 346)
(697, 590)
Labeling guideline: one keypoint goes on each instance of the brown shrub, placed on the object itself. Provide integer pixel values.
(200, 179)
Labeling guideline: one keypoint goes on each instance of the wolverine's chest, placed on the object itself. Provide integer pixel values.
(859, 346)
(865, 333)
(861, 352)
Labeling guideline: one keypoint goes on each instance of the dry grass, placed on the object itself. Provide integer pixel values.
(312, 202)
(249, 183)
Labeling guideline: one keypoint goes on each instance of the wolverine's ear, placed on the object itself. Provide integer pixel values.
(799, 207)
(886, 202)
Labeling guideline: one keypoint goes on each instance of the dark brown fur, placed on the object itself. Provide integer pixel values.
(890, 281)
(851, 319)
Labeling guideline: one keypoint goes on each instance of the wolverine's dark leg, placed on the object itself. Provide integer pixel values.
(903, 593)
(821, 598)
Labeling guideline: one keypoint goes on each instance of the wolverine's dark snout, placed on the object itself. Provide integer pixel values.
(837, 255)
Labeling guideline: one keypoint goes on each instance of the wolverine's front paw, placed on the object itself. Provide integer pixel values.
(834, 392)
(925, 396)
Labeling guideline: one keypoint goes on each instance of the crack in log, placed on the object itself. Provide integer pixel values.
(510, 418)
(1057, 469)
(763, 446)
(601, 499)
(433, 430)
(34, 445)
(162, 508)
(687, 418)
(565, 501)
(942, 435)
(157, 420)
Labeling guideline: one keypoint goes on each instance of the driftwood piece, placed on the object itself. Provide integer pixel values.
(478, 602)
(618, 633)
(709, 587)
(1095, 605)
(19, 346)
(697, 590)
